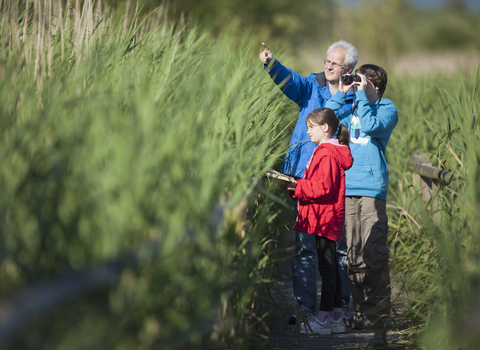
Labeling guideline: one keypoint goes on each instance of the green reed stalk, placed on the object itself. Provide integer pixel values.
(116, 132)
(437, 260)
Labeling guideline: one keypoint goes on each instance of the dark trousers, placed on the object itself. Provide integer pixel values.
(330, 272)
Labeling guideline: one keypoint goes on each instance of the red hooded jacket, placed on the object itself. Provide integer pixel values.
(321, 191)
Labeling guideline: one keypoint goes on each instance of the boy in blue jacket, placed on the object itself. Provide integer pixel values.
(370, 123)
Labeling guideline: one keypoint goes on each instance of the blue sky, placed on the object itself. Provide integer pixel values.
(473, 5)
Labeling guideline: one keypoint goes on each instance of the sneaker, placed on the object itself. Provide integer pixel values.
(293, 317)
(362, 321)
(346, 314)
(337, 327)
(315, 327)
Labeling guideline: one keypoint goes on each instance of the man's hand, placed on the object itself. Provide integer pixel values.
(266, 56)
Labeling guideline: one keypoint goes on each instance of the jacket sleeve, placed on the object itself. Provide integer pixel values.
(322, 183)
(380, 125)
(336, 103)
(293, 85)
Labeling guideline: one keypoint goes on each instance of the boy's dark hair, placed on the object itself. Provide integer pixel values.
(376, 75)
(322, 116)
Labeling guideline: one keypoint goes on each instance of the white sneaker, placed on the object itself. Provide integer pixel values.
(316, 327)
(337, 327)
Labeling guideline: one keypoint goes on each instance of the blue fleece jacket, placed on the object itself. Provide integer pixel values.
(370, 126)
(309, 94)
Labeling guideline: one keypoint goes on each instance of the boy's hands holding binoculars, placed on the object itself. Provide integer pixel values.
(347, 81)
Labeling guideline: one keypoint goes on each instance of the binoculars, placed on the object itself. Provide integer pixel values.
(348, 79)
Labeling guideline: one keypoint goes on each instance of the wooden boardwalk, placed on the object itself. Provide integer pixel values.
(286, 338)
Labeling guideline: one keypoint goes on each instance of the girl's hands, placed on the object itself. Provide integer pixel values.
(292, 186)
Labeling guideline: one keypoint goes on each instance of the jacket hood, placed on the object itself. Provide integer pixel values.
(341, 153)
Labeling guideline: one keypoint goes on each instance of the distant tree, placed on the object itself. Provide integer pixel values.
(292, 22)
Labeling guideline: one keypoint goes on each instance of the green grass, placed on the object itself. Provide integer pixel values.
(115, 136)
(437, 259)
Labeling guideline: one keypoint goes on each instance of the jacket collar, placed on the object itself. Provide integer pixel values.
(321, 80)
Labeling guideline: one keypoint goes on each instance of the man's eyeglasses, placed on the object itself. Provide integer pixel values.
(333, 64)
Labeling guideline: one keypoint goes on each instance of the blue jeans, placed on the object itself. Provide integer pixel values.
(342, 263)
(304, 268)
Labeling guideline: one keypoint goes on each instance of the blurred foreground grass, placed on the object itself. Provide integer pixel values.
(130, 133)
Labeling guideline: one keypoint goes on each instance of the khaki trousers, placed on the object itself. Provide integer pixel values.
(366, 228)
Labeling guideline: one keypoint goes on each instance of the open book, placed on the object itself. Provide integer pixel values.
(280, 179)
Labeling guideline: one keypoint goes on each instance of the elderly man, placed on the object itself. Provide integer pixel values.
(309, 93)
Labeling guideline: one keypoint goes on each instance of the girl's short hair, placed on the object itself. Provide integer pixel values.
(376, 75)
(327, 116)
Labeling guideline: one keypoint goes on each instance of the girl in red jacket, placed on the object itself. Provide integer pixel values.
(321, 211)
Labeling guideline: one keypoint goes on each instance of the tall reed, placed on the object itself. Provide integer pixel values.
(437, 259)
(118, 132)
